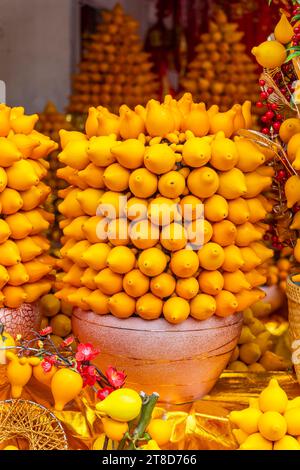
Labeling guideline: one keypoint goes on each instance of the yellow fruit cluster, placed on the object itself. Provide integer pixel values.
(24, 263)
(114, 69)
(277, 272)
(272, 422)
(56, 313)
(161, 160)
(253, 352)
(221, 73)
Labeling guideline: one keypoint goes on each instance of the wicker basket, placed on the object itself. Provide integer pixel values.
(293, 295)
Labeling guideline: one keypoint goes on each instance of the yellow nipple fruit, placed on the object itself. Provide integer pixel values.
(24, 124)
(159, 158)
(109, 282)
(224, 233)
(75, 253)
(43, 377)
(211, 282)
(121, 259)
(70, 206)
(136, 208)
(159, 119)
(187, 288)
(17, 275)
(273, 398)
(111, 205)
(28, 200)
(247, 419)
(135, 283)
(116, 177)
(287, 443)
(173, 237)
(9, 253)
(184, 263)
(235, 282)
(161, 211)
(197, 120)
(4, 277)
(75, 154)
(224, 155)
(292, 190)
(66, 385)
(261, 251)
(18, 372)
(292, 146)
(256, 442)
(129, 154)
(160, 430)
(255, 278)
(223, 122)
(73, 276)
(246, 298)
(114, 429)
(246, 234)
(144, 235)
(37, 221)
(89, 200)
(249, 155)
(122, 405)
(5, 121)
(226, 304)
(256, 183)
(202, 306)
(21, 176)
(152, 262)
(91, 175)
(246, 110)
(9, 153)
(191, 207)
(239, 120)
(3, 180)
(36, 290)
(163, 285)
(87, 278)
(289, 128)
(272, 425)
(121, 305)
(143, 183)
(211, 256)
(176, 310)
(99, 150)
(74, 229)
(70, 136)
(98, 302)
(95, 256)
(149, 307)
(196, 152)
(14, 296)
(233, 259)
(232, 184)
(131, 124)
(5, 231)
(270, 54)
(171, 184)
(256, 210)
(203, 182)
(36, 270)
(118, 232)
(283, 31)
(216, 208)
(238, 211)
(239, 435)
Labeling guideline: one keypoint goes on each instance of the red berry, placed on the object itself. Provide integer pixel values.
(259, 104)
(297, 29)
(266, 131)
(276, 126)
(279, 117)
(296, 209)
(281, 174)
(264, 119)
(262, 82)
(266, 237)
(269, 115)
(263, 95)
(274, 106)
(274, 239)
(270, 90)
(280, 246)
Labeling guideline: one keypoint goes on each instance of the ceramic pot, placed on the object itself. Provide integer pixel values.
(23, 320)
(180, 362)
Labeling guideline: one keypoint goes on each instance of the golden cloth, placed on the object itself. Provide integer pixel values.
(201, 425)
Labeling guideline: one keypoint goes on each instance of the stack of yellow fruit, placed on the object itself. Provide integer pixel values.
(221, 73)
(254, 350)
(121, 255)
(24, 263)
(272, 422)
(50, 123)
(56, 313)
(277, 272)
(114, 69)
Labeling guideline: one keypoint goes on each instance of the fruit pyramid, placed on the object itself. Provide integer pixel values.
(50, 122)
(114, 69)
(125, 248)
(24, 262)
(221, 72)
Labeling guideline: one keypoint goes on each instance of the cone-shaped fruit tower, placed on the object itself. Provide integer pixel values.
(50, 123)
(221, 72)
(24, 262)
(163, 215)
(114, 69)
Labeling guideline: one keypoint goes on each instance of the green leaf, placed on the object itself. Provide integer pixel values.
(296, 17)
(293, 48)
(269, 2)
(292, 56)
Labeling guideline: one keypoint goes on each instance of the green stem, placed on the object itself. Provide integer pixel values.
(149, 403)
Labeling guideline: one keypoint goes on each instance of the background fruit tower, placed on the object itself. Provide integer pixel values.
(25, 264)
(221, 72)
(166, 155)
(114, 69)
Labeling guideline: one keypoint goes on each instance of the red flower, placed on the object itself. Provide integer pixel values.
(46, 331)
(48, 362)
(67, 342)
(104, 392)
(115, 378)
(86, 352)
(88, 373)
